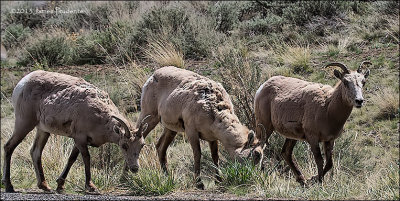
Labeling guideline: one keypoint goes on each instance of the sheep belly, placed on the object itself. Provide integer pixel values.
(287, 119)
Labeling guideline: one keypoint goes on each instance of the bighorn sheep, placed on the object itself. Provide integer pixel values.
(69, 106)
(301, 110)
(185, 101)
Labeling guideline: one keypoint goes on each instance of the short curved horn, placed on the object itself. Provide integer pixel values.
(264, 133)
(359, 70)
(342, 66)
(140, 131)
(126, 128)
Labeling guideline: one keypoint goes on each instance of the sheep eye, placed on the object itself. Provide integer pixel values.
(125, 146)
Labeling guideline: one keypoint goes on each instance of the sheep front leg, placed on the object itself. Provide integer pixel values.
(318, 160)
(194, 141)
(71, 160)
(86, 160)
(215, 157)
(328, 155)
(163, 143)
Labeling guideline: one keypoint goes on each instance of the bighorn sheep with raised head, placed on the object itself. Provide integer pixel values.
(185, 101)
(301, 110)
(69, 106)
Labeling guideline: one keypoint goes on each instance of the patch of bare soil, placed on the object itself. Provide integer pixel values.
(184, 195)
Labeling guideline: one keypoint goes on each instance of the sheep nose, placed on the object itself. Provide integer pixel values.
(359, 102)
(134, 169)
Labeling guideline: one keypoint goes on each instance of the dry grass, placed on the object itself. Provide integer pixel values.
(387, 102)
(296, 57)
(164, 53)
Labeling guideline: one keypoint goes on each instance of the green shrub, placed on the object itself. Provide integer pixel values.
(91, 15)
(191, 33)
(149, 181)
(271, 24)
(225, 15)
(47, 50)
(25, 14)
(98, 47)
(14, 35)
(234, 173)
(302, 12)
(241, 77)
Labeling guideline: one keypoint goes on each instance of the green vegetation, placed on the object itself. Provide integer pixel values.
(150, 182)
(117, 45)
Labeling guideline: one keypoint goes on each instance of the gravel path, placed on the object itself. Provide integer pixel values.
(189, 195)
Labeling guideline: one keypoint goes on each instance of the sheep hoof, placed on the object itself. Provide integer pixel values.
(302, 182)
(314, 179)
(200, 185)
(8, 186)
(43, 185)
(91, 188)
(10, 189)
(60, 190)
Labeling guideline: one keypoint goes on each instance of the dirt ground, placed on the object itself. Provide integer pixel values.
(187, 195)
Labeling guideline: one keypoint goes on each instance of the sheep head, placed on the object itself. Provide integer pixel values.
(252, 150)
(129, 144)
(353, 82)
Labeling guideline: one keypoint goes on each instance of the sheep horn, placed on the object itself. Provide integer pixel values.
(142, 124)
(263, 135)
(362, 65)
(342, 66)
(126, 128)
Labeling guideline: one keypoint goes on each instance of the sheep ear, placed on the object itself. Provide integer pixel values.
(366, 74)
(338, 74)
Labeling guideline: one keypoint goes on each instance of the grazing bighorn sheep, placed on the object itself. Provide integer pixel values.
(301, 110)
(185, 101)
(69, 106)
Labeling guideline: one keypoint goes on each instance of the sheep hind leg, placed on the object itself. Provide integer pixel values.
(71, 160)
(215, 157)
(21, 129)
(163, 143)
(287, 154)
(36, 154)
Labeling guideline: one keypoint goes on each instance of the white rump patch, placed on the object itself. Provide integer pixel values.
(18, 89)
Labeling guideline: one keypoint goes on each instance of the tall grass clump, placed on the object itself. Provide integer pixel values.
(150, 181)
(387, 102)
(164, 53)
(296, 57)
(235, 173)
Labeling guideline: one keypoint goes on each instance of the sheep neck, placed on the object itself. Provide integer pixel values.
(338, 109)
